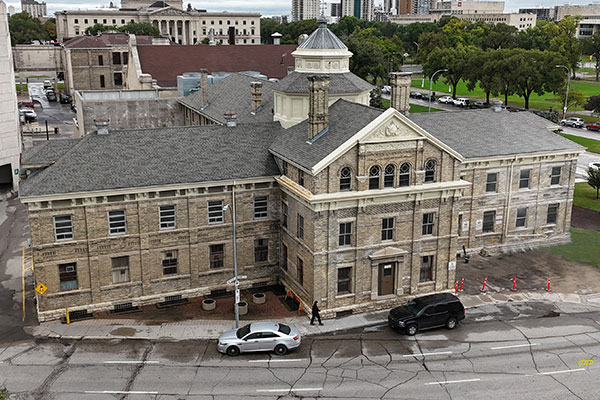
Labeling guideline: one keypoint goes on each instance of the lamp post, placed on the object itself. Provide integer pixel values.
(431, 85)
(568, 84)
(235, 270)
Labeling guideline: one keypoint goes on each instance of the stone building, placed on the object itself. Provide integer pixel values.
(356, 207)
(34, 8)
(181, 26)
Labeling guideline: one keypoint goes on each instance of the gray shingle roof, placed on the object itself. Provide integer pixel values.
(297, 82)
(161, 156)
(47, 152)
(345, 120)
(232, 94)
(485, 133)
(322, 38)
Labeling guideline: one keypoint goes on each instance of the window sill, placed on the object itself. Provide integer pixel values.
(215, 271)
(170, 278)
(258, 265)
(120, 285)
(426, 283)
(488, 234)
(344, 296)
(69, 292)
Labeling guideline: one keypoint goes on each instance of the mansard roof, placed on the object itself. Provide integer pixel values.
(297, 82)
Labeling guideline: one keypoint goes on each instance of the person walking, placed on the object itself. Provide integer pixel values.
(315, 314)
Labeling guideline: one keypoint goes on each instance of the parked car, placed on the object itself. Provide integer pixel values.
(594, 164)
(259, 336)
(446, 100)
(573, 122)
(73, 106)
(594, 126)
(461, 102)
(386, 89)
(28, 114)
(64, 98)
(416, 95)
(50, 95)
(47, 84)
(427, 312)
(479, 104)
(26, 104)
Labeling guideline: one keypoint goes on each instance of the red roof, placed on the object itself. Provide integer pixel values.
(104, 40)
(164, 63)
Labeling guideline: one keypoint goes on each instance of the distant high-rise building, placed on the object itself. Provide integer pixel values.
(423, 6)
(34, 8)
(546, 13)
(11, 10)
(362, 9)
(405, 7)
(305, 9)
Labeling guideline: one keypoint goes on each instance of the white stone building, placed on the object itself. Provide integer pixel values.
(305, 9)
(34, 8)
(10, 141)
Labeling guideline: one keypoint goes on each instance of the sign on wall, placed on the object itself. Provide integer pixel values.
(479, 224)
(465, 226)
(451, 265)
(498, 219)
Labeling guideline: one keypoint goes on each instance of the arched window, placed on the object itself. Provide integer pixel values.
(404, 175)
(345, 179)
(389, 176)
(374, 172)
(430, 171)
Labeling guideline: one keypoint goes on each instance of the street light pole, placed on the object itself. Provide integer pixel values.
(568, 84)
(431, 85)
(235, 270)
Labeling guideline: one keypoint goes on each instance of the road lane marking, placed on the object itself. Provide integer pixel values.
(290, 390)
(515, 346)
(460, 381)
(427, 354)
(289, 360)
(116, 392)
(564, 371)
(131, 362)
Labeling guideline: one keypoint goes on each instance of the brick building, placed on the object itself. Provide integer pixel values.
(355, 207)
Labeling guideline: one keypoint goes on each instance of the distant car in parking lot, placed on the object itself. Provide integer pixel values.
(73, 106)
(573, 122)
(416, 95)
(28, 114)
(259, 336)
(461, 102)
(478, 104)
(446, 100)
(50, 95)
(64, 98)
(594, 126)
(47, 84)
(427, 312)
(26, 104)
(386, 89)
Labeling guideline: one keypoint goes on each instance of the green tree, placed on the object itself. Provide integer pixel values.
(370, 52)
(576, 98)
(537, 37)
(500, 36)
(99, 28)
(2, 394)
(269, 26)
(593, 104)
(50, 28)
(592, 46)
(143, 28)
(566, 43)
(593, 179)
(454, 59)
(483, 69)
(24, 29)
(375, 98)
(430, 41)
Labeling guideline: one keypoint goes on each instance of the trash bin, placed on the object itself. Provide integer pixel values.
(56, 130)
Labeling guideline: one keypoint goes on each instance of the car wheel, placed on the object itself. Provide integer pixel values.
(451, 323)
(280, 349)
(233, 351)
(563, 124)
(412, 330)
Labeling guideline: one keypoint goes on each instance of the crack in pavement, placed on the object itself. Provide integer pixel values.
(57, 371)
(139, 367)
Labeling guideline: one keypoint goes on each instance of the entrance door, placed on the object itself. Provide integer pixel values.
(387, 275)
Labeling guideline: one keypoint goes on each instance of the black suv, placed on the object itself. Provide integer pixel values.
(433, 311)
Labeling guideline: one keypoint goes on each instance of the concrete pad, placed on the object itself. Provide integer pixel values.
(23, 378)
(93, 378)
(570, 297)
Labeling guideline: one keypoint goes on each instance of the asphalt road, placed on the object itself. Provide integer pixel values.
(56, 114)
(530, 357)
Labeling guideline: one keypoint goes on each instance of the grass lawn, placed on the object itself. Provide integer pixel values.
(414, 108)
(591, 144)
(584, 247)
(544, 102)
(585, 196)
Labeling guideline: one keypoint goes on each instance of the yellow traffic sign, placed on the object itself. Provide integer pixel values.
(41, 288)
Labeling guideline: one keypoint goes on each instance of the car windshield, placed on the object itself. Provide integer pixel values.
(414, 306)
(243, 331)
(284, 329)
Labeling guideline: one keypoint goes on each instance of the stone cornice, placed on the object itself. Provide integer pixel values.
(502, 161)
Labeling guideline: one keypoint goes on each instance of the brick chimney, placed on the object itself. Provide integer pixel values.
(318, 104)
(101, 126)
(204, 85)
(400, 83)
(256, 91)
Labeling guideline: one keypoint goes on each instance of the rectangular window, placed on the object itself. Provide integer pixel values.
(102, 81)
(215, 212)
(300, 227)
(63, 227)
(284, 257)
(387, 229)
(116, 222)
(521, 217)
(489, 218)
(492, 182)
(555, 177)
(120, 269)
(261, 207)
(301, 177)
(67, 275)
(169, 262)
(284, 167)
(428, 221)
(345, 236)
(300, 271)
(524, 179)
(344, 283)
(261, 250)
(167, 217)
(284, 214)
(118, 78)
(100, 60)
(217, 256)
(426, 271)
(552, 214)
(125, 58)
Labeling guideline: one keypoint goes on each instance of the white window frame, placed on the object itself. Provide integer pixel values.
(120, 274)
(117, 222)
(215, 212)
(259, 213)
(165, 219)
(65, 227)
(553, 176)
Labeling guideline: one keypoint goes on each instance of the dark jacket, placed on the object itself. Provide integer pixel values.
(315, 309)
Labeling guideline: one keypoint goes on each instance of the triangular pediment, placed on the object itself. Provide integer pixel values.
(170, 11)
(388, 252)
(391, 129)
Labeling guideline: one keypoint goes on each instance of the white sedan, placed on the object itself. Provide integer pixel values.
(446, 100)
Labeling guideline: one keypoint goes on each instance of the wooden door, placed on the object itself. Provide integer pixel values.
(387, 277)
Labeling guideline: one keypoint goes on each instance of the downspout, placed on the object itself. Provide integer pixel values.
(508, 201)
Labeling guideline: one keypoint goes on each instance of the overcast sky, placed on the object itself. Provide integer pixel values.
(265, 7)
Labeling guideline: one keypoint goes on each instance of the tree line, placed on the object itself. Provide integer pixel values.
(24, 29)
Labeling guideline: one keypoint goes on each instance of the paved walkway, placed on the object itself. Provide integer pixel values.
(103, 329)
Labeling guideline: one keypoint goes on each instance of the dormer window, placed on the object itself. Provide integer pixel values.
(374, 173)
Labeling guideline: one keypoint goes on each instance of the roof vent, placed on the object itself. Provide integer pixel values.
(231, 119)
(101, 126)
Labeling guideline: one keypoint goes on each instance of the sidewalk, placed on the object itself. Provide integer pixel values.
(110, 329)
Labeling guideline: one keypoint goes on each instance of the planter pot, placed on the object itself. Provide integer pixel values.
(243, 307)
(209, 304)
(259, 298)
